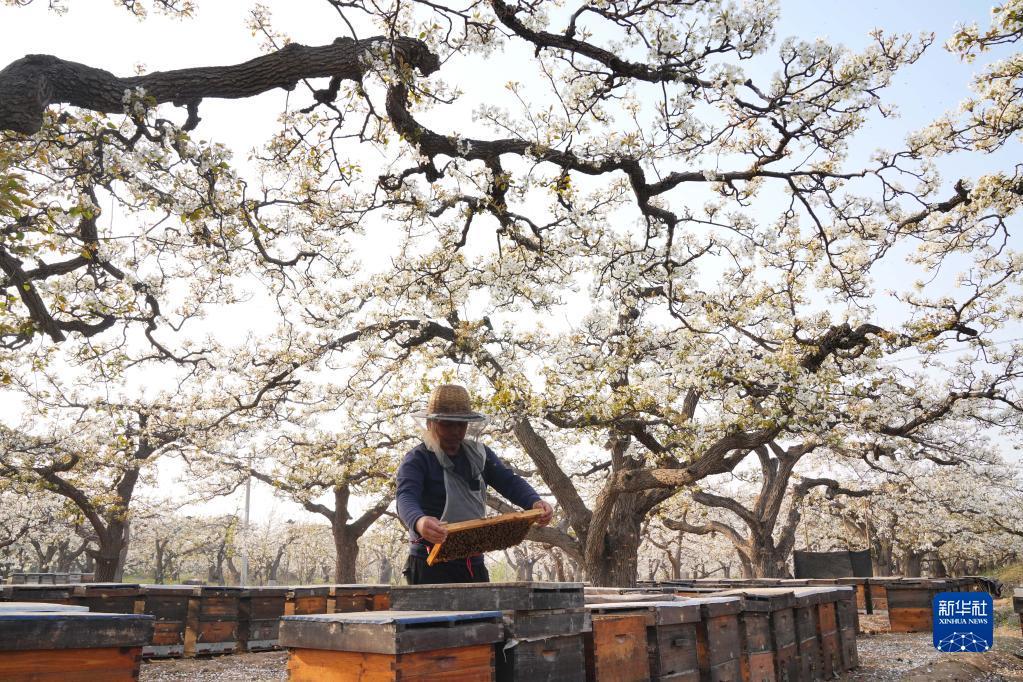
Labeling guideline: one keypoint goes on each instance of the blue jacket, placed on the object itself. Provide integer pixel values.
(421, 488)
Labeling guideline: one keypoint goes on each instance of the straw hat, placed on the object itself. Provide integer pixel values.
(450, 402)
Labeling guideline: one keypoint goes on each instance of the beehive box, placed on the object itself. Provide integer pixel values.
(71, 646)
(512, 596)
(848, 626)
(170, 606)
(862, 595)
(879, 592)
(810, 659)
(616, 648)
(108, 597)
(827, 624)
(719, 644)
(212, 623)
(543, 645)
(909, 604)
(477, 536)
(355, 598)
(671, 635)
(1017, 604)
(53, 594)
(259, 617)
(770, 648)
(304, 600)
(392, 645)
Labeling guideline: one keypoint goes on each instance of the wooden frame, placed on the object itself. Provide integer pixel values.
(437, 553)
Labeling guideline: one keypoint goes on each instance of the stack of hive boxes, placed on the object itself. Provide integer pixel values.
(170, 606)
(544, 623)
(669, 641)
(392, 645)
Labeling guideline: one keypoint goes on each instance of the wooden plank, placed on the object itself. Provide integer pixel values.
(910, 620)
(463, 664)
(616, 648)
(105, 664)
(545, 659)
(72, 630)
(313, 665)
(476, 536)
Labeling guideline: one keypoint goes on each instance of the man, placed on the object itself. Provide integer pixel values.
(444, 480)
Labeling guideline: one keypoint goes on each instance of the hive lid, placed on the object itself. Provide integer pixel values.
(763, 598)
(391, 632)
(36, 630)
(512, 596)
(716, 605)
(308, 590)
(171, 590)
(659, 612)
(359, 589)
(40, 606)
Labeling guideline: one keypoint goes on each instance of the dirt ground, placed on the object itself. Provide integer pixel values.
(883, 656)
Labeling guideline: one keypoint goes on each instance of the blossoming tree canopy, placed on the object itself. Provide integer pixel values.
(662, 232)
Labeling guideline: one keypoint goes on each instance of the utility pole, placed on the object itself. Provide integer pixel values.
(245, 526)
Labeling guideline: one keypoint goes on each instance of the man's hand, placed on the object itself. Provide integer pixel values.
(431, 530)
(548, 512)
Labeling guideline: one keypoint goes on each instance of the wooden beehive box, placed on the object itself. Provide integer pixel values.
(355, 598)
(54, 594)
(108, 597)
(259, 617)
(541, 645)
(827, 623)
(860, 587)
(805, 605)
(512, 596)
(212, 623)
(770, 649)
(478, 536)
(392, 645)
(848, 626)
(909, 604)
(879, 592)
(671, 635)
(170, 606)
(719, 644)
(304, 600)
(1017, 604)
(616, 648)
(71, 646)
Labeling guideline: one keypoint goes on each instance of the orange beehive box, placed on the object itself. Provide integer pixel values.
(392, 645)
(72, 646)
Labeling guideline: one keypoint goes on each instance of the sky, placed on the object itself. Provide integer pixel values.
(103, 35)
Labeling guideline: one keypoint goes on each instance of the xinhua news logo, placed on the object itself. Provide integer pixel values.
(963, 621)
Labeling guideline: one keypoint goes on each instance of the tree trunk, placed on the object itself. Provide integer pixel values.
(386, 571)
(618, 563)
(346, 548)
(912, 562)
(765, 561)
